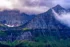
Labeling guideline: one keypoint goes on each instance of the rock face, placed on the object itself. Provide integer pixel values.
(13, 18)
(15, 35)
(25, 36)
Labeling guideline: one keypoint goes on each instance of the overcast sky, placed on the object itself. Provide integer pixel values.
(32, 6)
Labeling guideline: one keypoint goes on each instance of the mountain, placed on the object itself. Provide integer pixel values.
(59, 9)
(13, 18)
(47, 20)
(40, 29)
(44, 20)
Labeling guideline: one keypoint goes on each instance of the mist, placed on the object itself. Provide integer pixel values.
(64, 18)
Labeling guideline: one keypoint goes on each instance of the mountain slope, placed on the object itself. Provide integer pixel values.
(47, 20)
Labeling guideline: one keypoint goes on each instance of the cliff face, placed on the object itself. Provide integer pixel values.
(13, 18)
(15, 35)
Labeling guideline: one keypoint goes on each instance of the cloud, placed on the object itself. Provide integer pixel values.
(32, 6)
(27, 6)
(64, 18)
(5, 4)
(34, 10)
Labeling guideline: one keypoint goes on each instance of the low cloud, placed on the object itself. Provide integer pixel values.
(64, 18)
(32, 6)
(27, 6)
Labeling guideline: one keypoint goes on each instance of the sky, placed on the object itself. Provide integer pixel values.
(32, 6)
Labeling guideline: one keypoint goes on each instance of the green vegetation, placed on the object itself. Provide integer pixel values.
(2, 25)
(49, 41)
(2, 33)
(24, 29)
(41, 41)
(10, 43)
